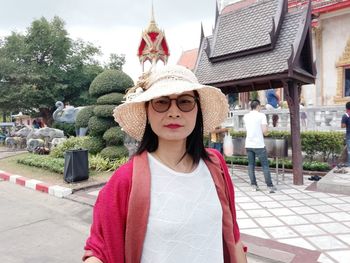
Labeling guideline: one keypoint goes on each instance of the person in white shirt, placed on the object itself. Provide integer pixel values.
(256, 127)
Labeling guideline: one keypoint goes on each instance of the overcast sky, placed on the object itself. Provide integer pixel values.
(116, 25)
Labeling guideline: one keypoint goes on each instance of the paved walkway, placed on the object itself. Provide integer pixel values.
(295, 224)
(295, 215)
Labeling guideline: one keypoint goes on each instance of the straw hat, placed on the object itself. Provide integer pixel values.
(131, 115)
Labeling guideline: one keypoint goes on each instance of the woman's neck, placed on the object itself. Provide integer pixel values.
(172, 154)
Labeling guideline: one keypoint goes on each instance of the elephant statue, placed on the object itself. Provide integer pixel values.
(66, 114)
(46, 132)
(23, 132)
(57, 141)
(34, 143)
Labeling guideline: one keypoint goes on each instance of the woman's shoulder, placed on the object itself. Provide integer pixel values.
(121, 178)
(123, 173)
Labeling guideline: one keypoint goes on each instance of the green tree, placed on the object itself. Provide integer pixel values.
(44, 65)
(116, 62)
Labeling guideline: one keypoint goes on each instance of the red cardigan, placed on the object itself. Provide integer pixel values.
(121, 211)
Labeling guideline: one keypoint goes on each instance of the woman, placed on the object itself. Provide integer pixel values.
(173, 201)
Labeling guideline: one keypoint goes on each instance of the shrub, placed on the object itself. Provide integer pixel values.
(110, 81)
(104, 110)
(328, 144)
(316, 166)
(114, 136)
(97, 126)
(93, 144)
(114, 152)
(99, 163)
(67, 128)
(111, 99)
(237, 134)
(83, 117)
(71, 143)
(311, 166)
(46, 162)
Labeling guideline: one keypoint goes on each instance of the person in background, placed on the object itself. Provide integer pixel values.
(272, 103)
(217, 138)
(35, 124)
(256, 127)
(303, 115)
(173, 201)
(345, 123)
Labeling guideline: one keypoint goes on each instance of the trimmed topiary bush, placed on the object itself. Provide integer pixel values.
(93, 144)
(97, 126)
(83, 117)
(110, 81)
(114, 152)
(111, 99)
(104, 110)
(114, 136)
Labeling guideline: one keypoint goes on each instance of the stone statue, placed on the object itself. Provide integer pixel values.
(66, 114)
(42, 137)
(45, 132)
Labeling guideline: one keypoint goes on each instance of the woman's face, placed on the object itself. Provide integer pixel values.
(173, 124)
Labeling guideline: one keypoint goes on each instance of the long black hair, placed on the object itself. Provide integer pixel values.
(194, 142)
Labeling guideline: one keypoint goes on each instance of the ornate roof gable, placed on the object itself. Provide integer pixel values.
(153, 46)
(249, 30)
(289, 57)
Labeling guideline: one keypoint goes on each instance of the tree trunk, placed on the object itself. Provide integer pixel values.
(292, 92)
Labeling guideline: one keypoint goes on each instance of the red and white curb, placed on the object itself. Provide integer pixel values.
(55, 190)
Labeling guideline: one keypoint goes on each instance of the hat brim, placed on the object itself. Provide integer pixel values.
(132, 116)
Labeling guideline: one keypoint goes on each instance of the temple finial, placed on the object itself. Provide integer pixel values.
(152, 14)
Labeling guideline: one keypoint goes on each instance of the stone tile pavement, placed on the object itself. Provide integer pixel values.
(298, 216)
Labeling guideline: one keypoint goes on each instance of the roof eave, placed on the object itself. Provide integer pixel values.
(247, 52)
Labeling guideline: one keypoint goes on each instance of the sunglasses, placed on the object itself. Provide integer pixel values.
(185, 103)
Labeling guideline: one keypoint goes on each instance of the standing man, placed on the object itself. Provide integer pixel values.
(256, 126)
(345, 123)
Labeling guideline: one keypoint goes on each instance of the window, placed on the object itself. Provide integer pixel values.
(347, 82)
(343, 77)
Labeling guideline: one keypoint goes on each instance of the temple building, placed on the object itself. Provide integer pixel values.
(258, 47)
(153, 46)
(331, 49)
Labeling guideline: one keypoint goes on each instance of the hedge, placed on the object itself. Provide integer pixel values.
(110, 81)
(83, 117)
(46, 162)
(97, 126)
(114, 152)
(310, 166)
(104, 110)
(111, 99)
(92, 144)
(328, 144)
(114, 136)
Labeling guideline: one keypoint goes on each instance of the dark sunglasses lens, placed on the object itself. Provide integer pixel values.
(186, 103)
(161, 104)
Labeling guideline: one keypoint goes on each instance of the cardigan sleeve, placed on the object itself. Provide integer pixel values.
(231, 193)
(107, 233)
(95, 245)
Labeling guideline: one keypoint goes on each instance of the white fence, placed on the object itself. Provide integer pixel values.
(323, 118)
